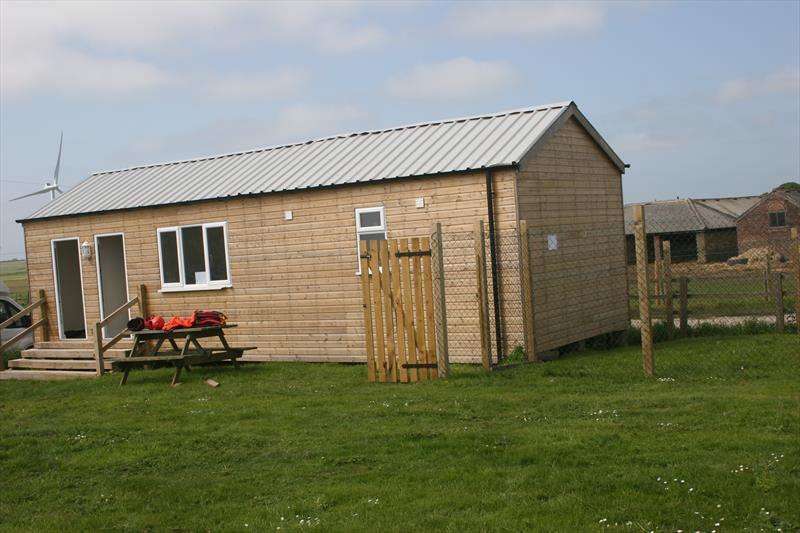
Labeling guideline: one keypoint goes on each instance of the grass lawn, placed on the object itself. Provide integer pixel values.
(723, 295)
(580, 444)
(13, 273)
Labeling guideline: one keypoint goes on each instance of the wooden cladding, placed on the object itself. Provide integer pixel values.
(399, 310)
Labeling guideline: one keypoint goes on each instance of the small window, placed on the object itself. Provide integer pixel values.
(370, 226)
(194, 257)
(777, 219)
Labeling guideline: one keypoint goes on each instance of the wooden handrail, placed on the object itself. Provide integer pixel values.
(17, 337)
(24, 312)
(121, 309)
(100, 349)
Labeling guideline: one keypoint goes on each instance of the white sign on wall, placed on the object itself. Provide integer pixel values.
(552, 242)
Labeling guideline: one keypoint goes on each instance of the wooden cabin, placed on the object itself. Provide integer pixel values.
(270, 236)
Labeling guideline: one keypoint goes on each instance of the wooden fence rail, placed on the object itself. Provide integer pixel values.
(41, 303)
(100, 348)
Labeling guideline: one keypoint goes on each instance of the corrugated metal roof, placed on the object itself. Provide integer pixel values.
(455, 145)
(690, 215)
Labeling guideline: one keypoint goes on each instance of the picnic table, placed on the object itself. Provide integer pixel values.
(147, 350)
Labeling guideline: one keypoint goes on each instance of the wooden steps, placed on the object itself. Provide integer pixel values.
(62, 359)
(46, 375)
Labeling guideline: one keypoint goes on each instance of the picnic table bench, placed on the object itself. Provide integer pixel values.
(147, 344)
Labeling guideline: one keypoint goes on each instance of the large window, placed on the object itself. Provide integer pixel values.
(194, 257)
(777, 219)
(370, 226)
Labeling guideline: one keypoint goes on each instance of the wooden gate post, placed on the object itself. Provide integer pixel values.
(482, 295)
(43, 316)
(796, 253)
(779, 302)
(644, 289)
(684, 305)
(439, 301)
(527, 291)
(667, 282)
(366, 304)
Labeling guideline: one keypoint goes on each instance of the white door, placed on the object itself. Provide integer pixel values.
(68, 276)
(112, 280)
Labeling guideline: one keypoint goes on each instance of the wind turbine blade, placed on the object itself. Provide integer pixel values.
(42, 191)
(58, 161)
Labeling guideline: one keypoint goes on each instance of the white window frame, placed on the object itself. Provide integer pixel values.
(181, 285)
(369, 229)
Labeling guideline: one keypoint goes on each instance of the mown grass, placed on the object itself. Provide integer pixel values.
(15, 275)
(580, 444)
(724, 295)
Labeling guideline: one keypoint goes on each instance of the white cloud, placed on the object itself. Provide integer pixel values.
(523, 18)
(280, 83)
(458, 78)
(306, 120)
(785, 81)
(119, 46)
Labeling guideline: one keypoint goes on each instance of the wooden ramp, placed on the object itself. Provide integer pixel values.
(58, 360)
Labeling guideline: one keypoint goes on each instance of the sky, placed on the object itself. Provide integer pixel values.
(702, 99)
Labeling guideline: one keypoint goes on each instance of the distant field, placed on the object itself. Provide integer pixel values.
(14, 275)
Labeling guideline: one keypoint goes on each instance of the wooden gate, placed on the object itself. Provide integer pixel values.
(397, 286)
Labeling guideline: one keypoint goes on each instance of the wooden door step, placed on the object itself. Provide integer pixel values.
(69, 353)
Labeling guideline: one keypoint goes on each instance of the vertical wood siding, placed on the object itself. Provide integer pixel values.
(572, 190)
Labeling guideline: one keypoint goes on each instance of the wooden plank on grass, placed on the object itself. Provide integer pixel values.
(397, 302)
(427, 279)
(408, 312)
(386, 287)
(362, 248)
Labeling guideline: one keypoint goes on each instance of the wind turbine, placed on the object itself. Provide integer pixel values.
(49, 187)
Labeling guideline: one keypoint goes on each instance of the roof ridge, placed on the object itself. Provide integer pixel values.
(521, 110)
(700, 219)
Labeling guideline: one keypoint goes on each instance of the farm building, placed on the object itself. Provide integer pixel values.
(769, 222)
(270, 236)
(702, 230)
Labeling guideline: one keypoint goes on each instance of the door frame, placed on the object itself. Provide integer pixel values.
(58, 291)
(99, 283)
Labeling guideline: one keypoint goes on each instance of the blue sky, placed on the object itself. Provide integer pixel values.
(702, 99)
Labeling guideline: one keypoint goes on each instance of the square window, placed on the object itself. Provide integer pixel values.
(777, 219)
(194, 257)
(370, 227)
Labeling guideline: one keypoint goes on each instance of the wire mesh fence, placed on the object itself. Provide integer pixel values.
(713, 267)
(483, 271)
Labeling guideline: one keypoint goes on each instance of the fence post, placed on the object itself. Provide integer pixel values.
(768, 275)
(667, 281)
(779, 302)
(143, 301)
(527, 292)
(482, 295)
(658, 269)
(796, 253)
(439, 302)
(43, 315)
(684, 305)
(644, 289)
(98, 348)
